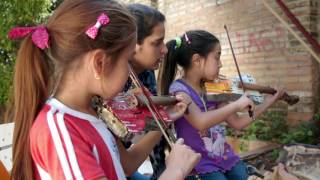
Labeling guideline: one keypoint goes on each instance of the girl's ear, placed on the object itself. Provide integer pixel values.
(196, 60)
(138, 48)
(100, 63)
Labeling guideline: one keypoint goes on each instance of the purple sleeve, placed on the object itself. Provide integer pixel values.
(176, 87)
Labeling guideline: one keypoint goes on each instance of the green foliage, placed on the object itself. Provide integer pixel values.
(307, 132)
(268, 127)
(274, 154)
(6, 72)
(16, 13)
(272, 126)
(243, 146)
(54, 5)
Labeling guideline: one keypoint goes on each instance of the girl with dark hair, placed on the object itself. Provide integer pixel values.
(149, 53)
(198, 53)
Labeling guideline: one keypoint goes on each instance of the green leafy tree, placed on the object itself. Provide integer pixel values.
(16, 13)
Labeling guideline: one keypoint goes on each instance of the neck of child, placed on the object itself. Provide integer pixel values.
(74, 94)
(193, 80)
(137, 68)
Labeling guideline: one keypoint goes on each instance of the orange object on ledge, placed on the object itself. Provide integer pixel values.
(4, 174)
(218, 87)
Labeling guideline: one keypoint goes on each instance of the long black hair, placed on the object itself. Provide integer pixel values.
(146, 19)
(180, 52)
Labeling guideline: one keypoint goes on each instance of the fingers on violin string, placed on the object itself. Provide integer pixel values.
(184, 98)
(179, 97)
(281, 90)
(179, 105)
(186, 101)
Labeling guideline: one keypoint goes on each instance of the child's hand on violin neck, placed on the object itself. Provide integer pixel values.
(184, 99)
(273, 98)
(178, 110)
(245, 103)
(182, 158)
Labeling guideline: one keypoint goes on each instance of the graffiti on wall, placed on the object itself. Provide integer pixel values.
(261, 41)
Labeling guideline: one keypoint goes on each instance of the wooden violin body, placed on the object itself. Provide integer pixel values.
(113, 122)
(124, 116)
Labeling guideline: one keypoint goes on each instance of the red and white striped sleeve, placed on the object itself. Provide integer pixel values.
(59, 151)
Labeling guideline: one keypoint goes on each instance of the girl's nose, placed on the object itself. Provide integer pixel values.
(164, 49)
(220, 64)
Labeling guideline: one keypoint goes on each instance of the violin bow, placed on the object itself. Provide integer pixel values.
(170, 138)
(238, 70)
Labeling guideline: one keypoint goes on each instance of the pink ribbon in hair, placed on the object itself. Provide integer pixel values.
(40, 35)
(102, 20)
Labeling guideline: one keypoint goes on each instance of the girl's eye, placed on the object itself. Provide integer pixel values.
(157, 43)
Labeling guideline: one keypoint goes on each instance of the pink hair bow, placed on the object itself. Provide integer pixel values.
(40, 35)
(102, 20)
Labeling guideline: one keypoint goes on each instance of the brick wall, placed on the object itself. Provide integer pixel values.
(316, 20)
(264, 48)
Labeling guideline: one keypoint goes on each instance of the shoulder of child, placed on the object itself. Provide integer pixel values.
(178, 86)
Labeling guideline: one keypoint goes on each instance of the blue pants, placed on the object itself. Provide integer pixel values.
(238, 172)
(138, 176)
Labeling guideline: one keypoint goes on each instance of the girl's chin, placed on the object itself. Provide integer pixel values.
(152, 67)
(156, 66)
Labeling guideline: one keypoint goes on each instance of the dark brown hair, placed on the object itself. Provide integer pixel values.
(146, 18)
(35, 68)
(192, 42)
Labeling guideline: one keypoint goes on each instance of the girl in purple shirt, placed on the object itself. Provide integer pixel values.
(198, 53)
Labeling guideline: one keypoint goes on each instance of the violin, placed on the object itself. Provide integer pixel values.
(135, 112)
(112, 121)
(127, 114)
(224, 90)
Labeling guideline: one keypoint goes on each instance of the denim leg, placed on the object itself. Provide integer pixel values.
(238, 172)
(209, 176)
(138, 176)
